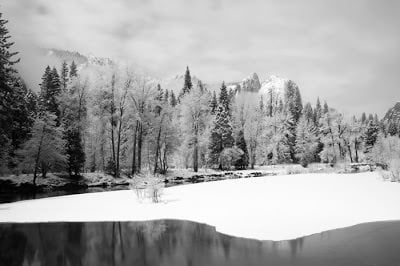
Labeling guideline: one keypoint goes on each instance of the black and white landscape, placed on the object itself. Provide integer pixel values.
(199, 132)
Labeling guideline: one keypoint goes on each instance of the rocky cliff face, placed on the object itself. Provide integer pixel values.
(251, 83)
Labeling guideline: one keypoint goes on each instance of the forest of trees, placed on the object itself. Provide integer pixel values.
(122, 123)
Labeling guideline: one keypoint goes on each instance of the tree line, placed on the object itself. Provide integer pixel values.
(123, 123)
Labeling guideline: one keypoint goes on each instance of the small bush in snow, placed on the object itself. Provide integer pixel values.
(295, 169)
(386, 153)
(147, 188)
(229, 156)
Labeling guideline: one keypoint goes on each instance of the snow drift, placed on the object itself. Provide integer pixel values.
(265, 208)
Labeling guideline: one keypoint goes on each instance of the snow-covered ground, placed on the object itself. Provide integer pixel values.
(265, 208)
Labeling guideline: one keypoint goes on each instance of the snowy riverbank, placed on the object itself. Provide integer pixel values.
(265, 208)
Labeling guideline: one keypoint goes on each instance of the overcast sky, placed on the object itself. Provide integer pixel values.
(347, 52)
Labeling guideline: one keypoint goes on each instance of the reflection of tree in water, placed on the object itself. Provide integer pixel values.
(12, 245)
(172, 242)
(295, 245)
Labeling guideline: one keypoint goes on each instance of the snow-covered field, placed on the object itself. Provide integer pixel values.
(265, 208)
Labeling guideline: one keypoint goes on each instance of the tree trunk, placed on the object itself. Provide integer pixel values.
(112, 112)
(118, 145)
(140, 144)
(350, 155)
(196, 150)
(355, 148)
(157, 149)
(134, 148)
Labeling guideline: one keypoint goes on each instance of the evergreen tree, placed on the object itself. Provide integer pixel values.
(73, 102)
(286, 150)
(14, 114)
(376, 119)
(392, 129)
(363, 118)
(187, 85)
(173, 101)
(308, 113)
(221, 135)
(370, 117)
(370, 136)
(45, 86)
(74, 150)
(261, 104)
(243, 161)
(166, 96)
(22, 112)
(200, 85)
(50, 90)
(73, 71)
(326, 108)
(317, 112)
(55, 81)
(224, 98)
(213, 103)
(306, 142)
(64, 75)
(293, 102)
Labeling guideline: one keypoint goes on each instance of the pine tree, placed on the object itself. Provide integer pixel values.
(370, 117)
(326, 108)
(50, 90)
(317, 112)
(166, 96)
(306, 141)
(221, 135)
(213, 103)
(262, 105)
(73, 71)
(173, 101)
(243, 161)
(286, 151)
(14, 114)
(187, 85)
(45, 86)
(64, 76)
(73, 102)
(363, 118)
(308, 113)
(392, 129)
(55, 81)
(293, 102)
(370, 136)
(224, 98)
(376, 119)
(74, 150)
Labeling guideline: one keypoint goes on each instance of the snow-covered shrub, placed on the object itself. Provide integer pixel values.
(306, 142)
(295, 170)
(229, 156)
(147, 188)
(386, 154)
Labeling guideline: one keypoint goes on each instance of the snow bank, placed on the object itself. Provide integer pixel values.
(265, 208)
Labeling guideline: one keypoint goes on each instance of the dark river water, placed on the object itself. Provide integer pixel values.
(174, 243)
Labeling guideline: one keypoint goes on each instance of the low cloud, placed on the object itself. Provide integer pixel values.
(339, 50)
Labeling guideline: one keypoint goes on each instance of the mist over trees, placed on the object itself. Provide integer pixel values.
(120, 122)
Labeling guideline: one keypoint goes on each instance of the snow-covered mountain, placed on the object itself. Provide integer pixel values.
(80, 59)
(393, 114)
(275, 84)
(251, 83)
(248, 85)
(175, 83)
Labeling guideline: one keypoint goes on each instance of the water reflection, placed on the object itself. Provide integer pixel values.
(171, 242)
